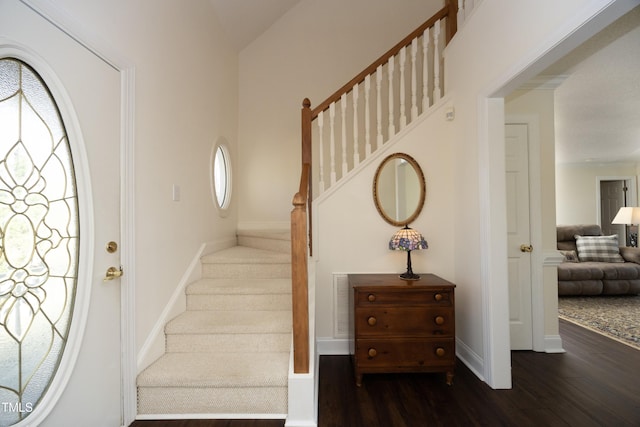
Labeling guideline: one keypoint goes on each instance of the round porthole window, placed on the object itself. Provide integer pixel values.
(221, 175)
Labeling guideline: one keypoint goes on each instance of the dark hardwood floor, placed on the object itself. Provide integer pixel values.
(595, 383)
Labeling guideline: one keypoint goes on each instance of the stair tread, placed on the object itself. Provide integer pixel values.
(266, 234)
(239, 286)
(244, 254)
(263, 369)
(230, 322)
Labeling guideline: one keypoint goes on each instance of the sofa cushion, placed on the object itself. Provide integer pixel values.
(570, 271)
(598, 248)
(566, 234)
(630, 254)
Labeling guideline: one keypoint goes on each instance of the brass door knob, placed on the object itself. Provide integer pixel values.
(371, 297)
(113, 273)
(439, 320)
(440, 352)
(372, 321)
(373, 352)
(526, 248)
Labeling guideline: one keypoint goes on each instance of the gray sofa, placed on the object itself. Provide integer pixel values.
(579, 277)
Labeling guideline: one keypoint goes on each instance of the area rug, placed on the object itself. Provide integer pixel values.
(617, 317)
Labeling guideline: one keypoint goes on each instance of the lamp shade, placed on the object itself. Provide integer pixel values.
(627, 215)
(407, 239)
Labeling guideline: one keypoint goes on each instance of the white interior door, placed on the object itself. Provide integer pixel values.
(519, 236)
(87, 388)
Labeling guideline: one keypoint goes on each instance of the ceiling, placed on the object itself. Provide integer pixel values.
(244, 20)
(597, 103)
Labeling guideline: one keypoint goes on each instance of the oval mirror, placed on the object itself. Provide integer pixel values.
(399, 189)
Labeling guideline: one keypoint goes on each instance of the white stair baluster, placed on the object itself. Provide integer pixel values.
(436, 62)
(321, 152)
(426, 40)
(379, 105)
(403, 113)
(461, 12)
(332, 146)
(343, 111)
(356, 143)
(414, 83)
(391, 68)
(367, 120)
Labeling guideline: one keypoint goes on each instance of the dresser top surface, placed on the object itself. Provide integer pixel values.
(428, 281)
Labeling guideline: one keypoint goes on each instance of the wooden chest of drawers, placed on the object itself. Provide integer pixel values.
(402, 326)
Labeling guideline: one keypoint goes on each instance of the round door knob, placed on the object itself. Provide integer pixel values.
(371, 297)
(440, 352)
(437, 297)
(372, 321)
(439, 320)
(373, 352)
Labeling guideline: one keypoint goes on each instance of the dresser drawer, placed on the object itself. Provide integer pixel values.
(404, 296)
(413, 321)
(405, 353)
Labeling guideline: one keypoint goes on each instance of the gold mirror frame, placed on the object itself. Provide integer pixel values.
(379, 190)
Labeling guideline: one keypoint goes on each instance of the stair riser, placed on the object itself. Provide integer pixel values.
(239, 302)
(265, 243)
(227, 343)
(247, 271)
(224, 400)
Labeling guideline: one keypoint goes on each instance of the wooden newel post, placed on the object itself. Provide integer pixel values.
(299, 277)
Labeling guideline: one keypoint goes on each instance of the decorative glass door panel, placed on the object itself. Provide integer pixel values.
(39, 237)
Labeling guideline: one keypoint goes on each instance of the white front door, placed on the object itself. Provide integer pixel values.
(87, 387)
(519, 236)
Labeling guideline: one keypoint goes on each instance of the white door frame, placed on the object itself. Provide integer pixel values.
(633, 192)
(77, 31)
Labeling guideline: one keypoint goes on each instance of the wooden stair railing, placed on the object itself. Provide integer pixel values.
(395, 93)
(299, 275)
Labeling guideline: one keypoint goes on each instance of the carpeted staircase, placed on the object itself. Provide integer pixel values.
(228, 353)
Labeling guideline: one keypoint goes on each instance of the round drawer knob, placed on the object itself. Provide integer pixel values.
(437, 297)
(440, 352)
(373, 352)
(371, 297)
(439, 320)
(372, 321)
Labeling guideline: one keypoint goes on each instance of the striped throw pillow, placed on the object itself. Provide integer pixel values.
(598, 248)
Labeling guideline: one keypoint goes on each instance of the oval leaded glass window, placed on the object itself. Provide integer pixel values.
(39, 235)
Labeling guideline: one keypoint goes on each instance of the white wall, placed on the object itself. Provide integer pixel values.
(577, 189)
(501, 46)
(310, 52)
(185, 98)
(353, 237)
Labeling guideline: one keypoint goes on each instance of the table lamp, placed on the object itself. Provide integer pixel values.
(408, 239)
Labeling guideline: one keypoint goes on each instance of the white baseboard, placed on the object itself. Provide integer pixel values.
(332, 346)
(553, 344)
(470, 358)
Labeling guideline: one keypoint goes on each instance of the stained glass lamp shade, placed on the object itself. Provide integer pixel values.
(408, 239)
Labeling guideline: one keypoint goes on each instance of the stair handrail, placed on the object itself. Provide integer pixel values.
(448, 11)
(299, 274)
